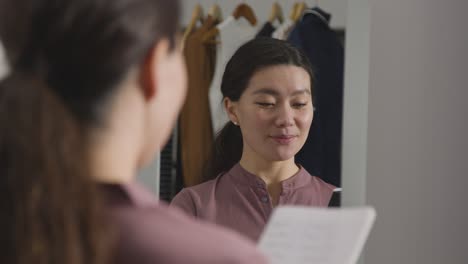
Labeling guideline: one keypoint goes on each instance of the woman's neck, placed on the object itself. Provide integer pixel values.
(112, 162)
(272, 172)
(116, 146)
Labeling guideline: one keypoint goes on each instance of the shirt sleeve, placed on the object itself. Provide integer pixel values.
(184, 201)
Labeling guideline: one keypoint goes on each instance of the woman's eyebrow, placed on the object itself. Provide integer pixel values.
(268, 91)
(302, 91)
(273, 92)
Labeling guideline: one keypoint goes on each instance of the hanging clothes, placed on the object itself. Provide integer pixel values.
(321, 154)
(266, 31)
(196, 134)
(282, 32)
(232, 34)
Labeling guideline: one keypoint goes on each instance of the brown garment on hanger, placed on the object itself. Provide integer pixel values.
(196, 133)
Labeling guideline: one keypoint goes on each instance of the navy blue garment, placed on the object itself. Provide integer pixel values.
(266, 31)
(321, 154)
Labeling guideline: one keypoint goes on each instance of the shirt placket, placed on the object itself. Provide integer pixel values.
(285, 191)
(264, 198)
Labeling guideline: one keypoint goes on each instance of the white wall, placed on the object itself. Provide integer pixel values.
(414, 160)
(354, 152)
(262, 8)
(355, 109)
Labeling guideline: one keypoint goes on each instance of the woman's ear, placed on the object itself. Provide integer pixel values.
(152, 64)
(231, 110)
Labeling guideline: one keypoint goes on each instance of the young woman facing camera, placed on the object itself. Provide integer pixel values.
(268, 96)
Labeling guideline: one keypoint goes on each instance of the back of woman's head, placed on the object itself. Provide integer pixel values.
(253, 56)
(66, 59)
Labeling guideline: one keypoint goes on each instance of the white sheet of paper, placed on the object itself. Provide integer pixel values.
(299, 235)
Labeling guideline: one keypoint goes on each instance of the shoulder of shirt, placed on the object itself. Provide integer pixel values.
(145, 232)
(324, 184)
(226, 22)
(231, 23)
(317, 181)
(310, 21)
(201, 188)
(195, 195)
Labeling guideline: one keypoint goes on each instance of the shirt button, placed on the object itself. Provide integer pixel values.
(264, 199)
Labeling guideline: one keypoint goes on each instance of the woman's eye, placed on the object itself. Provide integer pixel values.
(263, 104)
(299, 105)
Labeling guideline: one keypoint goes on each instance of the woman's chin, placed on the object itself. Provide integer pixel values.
(282, 155)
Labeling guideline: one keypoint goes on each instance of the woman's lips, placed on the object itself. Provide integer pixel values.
(284, 139)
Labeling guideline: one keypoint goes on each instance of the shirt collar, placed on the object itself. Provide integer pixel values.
(240, 175)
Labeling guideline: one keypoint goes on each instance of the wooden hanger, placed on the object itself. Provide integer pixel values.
(197, 15)
(215, 12)
(292, 15)
(209, 36)
(301, 7)
(276, 13)
(242, 10)
(245, 11)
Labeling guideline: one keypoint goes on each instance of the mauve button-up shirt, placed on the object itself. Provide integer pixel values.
(149, 231)
(239, 200)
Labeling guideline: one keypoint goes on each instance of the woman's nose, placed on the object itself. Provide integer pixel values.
(285, 117)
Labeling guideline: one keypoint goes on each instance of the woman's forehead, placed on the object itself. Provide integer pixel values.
(280, 80)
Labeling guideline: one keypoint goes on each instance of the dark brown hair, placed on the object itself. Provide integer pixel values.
(251, 57)
(66, 59)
